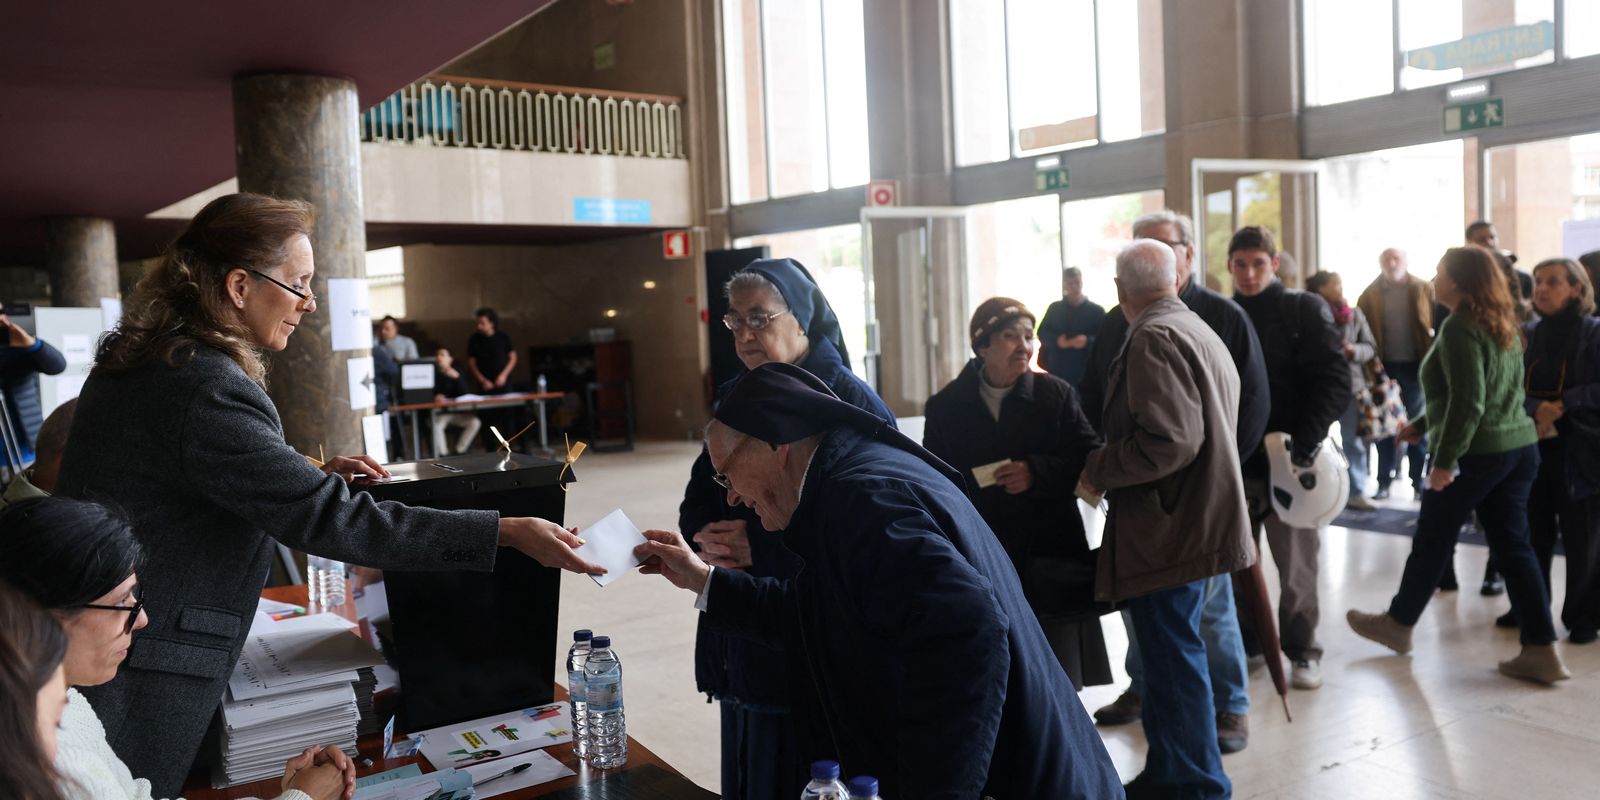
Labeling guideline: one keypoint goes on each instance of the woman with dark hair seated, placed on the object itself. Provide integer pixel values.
(32, 696)
(79, 561)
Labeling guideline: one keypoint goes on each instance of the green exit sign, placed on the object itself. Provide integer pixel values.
(1489, 113)
(1050, 180)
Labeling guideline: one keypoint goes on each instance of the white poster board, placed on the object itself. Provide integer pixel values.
(76, 333)
(350, 314)
(1579, 236)
(363, 382)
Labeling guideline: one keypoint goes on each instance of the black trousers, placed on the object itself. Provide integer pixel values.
(1554, 515)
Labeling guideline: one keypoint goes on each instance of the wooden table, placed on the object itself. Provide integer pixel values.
(488, 401)
(371, 747)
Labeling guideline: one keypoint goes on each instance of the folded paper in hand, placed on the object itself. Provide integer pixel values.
(984, 473)
(610, 544)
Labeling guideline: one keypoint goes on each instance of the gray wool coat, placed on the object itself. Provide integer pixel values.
(195, 457)
(1170, 467)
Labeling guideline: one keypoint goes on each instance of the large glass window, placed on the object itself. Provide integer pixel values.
(1583, 28)
(1095, 230)
(1014, 250)
(1449, 40)
(1061, 91)
(1349, 50)
(1536, 189)
(796, 94)
(1363, 195)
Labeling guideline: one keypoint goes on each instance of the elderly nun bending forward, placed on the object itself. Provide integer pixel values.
(776, 313)
(999, 410)
(174, 427)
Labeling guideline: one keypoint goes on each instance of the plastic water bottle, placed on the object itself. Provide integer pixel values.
(864, 787)
(325, 586)
(825, 783)
(576, 655)
(602, 689)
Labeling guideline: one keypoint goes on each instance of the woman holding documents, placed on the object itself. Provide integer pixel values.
(1020, 439)
(77, 560)
(776, 312)
(175, 428)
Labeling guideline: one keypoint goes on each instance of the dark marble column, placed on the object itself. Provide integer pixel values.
(81, 256)
(296, 138)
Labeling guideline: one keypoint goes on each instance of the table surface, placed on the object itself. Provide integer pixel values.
(371, 746)
(488, 399)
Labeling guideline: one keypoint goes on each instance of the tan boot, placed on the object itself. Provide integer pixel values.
(1381, 628)
(1537, 662)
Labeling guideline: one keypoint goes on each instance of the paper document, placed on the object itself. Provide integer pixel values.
(984, 473)
(610, 544)
(543, 770)
(474, 742)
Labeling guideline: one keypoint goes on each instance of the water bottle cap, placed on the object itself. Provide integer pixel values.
(863, 786)
(583, 635)
(824, 770)
(600, 641)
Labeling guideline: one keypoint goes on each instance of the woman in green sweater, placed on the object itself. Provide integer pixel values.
(1485, 456)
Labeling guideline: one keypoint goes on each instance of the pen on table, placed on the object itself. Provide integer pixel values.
(514, 770)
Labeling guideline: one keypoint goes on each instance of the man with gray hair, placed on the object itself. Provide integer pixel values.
(1178, 514)
(1219, 623)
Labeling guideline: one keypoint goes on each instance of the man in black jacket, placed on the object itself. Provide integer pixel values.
(1219, 620)
(1310, 387)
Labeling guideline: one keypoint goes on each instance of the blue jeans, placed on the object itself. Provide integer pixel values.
(1355, 449)
(1179, 720)
(1389, 450)
(1497, 486)
(1225, 659)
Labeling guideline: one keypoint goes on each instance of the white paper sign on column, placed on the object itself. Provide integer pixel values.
(362, 382)
(76, 348)
(350, 313)
(372, 428)
(111, 311)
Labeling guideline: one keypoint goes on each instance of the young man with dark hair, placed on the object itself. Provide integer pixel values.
(1310, 386)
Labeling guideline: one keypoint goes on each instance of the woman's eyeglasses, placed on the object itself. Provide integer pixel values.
(757, 322)
(132, 612)
(307, 297)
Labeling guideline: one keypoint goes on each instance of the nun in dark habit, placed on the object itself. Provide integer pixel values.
(776, 313)
(906, 624)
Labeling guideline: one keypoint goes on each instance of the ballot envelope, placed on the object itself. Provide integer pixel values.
(473, 644)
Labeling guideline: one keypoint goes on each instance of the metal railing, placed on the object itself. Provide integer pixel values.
(448, 111)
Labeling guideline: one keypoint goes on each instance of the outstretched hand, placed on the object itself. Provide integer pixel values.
(665, 553)
(547, 543)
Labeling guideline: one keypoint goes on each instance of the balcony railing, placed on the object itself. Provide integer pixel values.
(448, 111)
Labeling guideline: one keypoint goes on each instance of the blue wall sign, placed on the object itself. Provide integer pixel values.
(611, 211)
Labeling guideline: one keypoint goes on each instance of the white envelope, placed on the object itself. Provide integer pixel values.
(985, 473)
(610, 544)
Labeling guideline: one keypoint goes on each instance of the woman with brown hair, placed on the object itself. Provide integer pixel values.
(33, 694)
(1484, 458)
(174, 426)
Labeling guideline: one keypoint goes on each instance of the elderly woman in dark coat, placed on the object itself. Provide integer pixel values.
(174, 427)
(776, 313)
(999, 410)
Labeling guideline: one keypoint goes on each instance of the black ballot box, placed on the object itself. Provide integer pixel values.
(472, 644)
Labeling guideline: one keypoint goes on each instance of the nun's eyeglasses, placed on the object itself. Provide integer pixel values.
(757, 322)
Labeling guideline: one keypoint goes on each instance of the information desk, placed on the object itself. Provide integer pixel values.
(489, 401)
(644, 776)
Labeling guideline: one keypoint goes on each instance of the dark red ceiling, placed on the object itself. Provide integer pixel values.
(116, 109)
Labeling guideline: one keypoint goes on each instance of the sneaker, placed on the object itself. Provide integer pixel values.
(1382, 493)
(1359, 503)
(1306, 674)
(1123, 710)
(1233, 732)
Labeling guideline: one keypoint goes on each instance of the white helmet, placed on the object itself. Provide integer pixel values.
(1307, 496)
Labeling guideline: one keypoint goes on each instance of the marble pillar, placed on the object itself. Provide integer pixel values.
(296, 137)
(81, 257)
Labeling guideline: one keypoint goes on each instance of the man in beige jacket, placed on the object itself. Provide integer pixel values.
(1178, 513)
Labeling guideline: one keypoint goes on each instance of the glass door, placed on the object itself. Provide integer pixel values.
(915, 268)
(1228, 194)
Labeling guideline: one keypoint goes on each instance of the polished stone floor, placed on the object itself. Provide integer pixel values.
(1440, 723)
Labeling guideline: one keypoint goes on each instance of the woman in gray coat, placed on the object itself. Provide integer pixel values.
(1360, 348)
(174, 426)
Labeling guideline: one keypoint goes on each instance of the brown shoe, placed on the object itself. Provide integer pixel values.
(1537, 662)
(1381, 628)
(1233, 732)
(1123, 710)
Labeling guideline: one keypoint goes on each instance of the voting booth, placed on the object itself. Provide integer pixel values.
(472, 644)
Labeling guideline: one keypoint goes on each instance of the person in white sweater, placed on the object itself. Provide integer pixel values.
(77, 560)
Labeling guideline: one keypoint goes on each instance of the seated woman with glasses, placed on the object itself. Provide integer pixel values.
(176, 428)
(79, 561)
(776, 312)
(32, 696)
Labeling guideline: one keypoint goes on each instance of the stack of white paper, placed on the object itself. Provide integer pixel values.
(296, 685)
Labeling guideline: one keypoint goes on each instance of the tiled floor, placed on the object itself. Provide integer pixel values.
(1440, 723)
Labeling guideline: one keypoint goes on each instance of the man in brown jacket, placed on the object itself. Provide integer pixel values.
(1178, 513)
(1399, 308)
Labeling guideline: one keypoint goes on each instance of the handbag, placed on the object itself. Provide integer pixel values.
(1380, 409)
